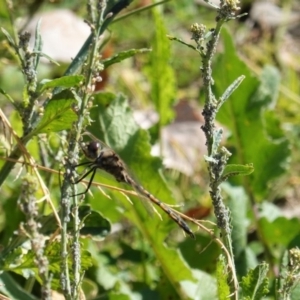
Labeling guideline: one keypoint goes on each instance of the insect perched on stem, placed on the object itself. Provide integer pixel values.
(106, 159)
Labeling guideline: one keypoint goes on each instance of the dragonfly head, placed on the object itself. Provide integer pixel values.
(91, 150)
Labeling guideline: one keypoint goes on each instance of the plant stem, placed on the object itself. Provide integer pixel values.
(217, 156)
(91, 70)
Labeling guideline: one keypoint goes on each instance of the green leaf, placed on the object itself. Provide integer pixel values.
(173, 38)
(12, 289)
(119, 296)
(244, 116)
(112, 9)
(273, 125)
(42, 54)
(22, 261)
(58, 114)
(7, 95)
(64, 82)
(38, 44)
(208, 256)
(89, 288)
(229, 91)
(94, 224)
(255, 284)
(122, 56)
(237, 203)
(244, 256)
(161, 74)
(217, 139)
(280, 231)
(235, 170)
(205, 288)
(9, 38)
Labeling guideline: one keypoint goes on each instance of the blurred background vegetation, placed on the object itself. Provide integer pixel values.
(126, 264)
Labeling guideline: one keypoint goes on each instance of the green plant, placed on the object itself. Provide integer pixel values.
(75, 250)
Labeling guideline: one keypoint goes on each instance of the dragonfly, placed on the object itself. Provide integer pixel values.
(104, 158)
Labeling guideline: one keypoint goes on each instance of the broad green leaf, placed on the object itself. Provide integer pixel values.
(255, 284)
(160, 73)
(122, 56)
(204, 289)
(280, 231)
(62, 82)
(270, 211)
(244, 257)
(12, 289)
(244, 116)
(166, 289)
(114, 124)
(209, 254)
(58, 114)
(237, 203)
(295, 294)
(273, 126)
(94, 225)
(110, 278)
(119, 296)
(89, 288)
(276, 228)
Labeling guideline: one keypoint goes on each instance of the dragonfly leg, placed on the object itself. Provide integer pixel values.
(93, 171)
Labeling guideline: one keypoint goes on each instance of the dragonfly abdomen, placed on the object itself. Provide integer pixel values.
(163, 206)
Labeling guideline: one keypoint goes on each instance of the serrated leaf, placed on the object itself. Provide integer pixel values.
(243, 114)
(163, 87)
(255, 284)
(63, 82)
(222, 277)
(122, 56)
(58, 114)
(25, 265)
(235, 170)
